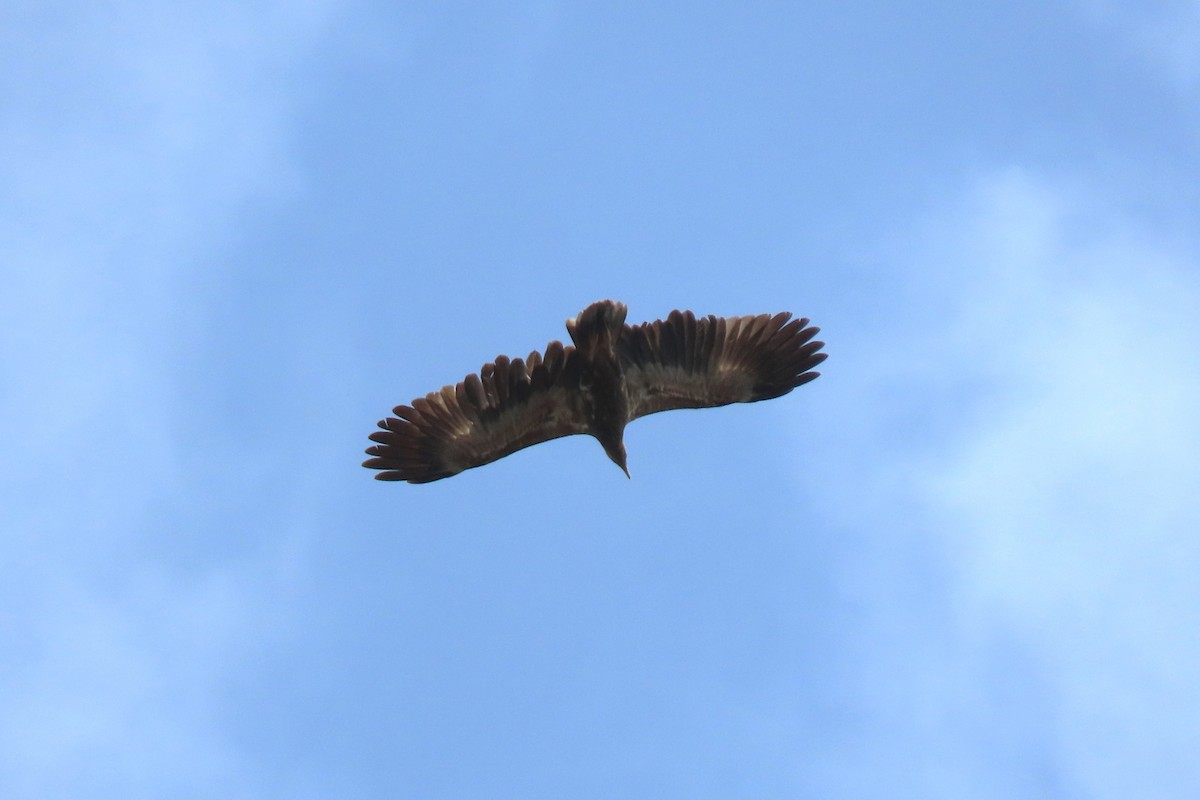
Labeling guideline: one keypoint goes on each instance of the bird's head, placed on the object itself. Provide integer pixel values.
(616, 451)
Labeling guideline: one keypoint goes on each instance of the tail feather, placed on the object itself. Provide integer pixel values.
(598, 325)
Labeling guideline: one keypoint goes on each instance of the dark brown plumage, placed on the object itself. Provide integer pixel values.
(614, 374)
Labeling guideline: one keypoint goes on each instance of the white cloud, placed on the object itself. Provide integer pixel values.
(136, 135)
(1062, 388)
(1070, 504)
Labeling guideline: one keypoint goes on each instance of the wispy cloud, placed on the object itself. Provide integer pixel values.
(136, 135)
(1055, 342)
(1069, 504)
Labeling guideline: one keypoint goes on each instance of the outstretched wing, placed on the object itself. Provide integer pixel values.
(507, 406)
(685, 362)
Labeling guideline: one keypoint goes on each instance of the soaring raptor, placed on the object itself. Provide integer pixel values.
(614, 374)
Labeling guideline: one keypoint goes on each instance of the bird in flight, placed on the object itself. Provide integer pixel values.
(614, 374)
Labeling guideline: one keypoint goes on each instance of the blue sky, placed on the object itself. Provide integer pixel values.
(960, 564)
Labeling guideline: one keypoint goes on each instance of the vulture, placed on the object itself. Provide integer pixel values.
(612, 375)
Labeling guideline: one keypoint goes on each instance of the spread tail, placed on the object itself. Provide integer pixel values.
(597, 326)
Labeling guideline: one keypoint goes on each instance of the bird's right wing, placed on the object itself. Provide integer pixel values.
(685, 362)
(509, 405)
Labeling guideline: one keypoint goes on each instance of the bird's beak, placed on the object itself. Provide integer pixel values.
(618, 458)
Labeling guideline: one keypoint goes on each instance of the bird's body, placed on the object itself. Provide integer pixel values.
(614, 374)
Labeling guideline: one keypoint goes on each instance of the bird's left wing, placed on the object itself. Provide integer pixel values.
(509, 405)
(689, 362)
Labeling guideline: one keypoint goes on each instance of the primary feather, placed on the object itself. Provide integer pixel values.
(614, 374)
